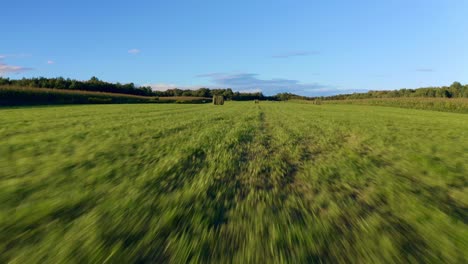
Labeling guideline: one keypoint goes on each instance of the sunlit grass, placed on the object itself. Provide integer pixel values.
(456, 105)
(243, 182)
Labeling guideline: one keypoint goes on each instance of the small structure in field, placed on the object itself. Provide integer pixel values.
(218, 99)
(256, 101)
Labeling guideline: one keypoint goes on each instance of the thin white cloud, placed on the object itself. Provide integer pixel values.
(134, 51)
(50, 62)
(8, 69)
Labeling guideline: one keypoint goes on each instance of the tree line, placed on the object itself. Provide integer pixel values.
(96, 85)
(206, 92)
(93, 84)
(456, 90)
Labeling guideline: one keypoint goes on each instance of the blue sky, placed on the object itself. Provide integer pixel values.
(306, 47)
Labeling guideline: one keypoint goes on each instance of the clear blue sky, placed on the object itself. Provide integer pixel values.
(307, 47)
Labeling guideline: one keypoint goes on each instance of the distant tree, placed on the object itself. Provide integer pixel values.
(456, 85)
(465, 91)
(94, 79)
(204, 92)
(187, 93)
(284, 96)
(4, 81)
(228, 93)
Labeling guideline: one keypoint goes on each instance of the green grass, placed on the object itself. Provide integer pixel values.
(243, 183)
(456, 105)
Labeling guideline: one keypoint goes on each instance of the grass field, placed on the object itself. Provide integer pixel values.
(243, 182)
(456, 105)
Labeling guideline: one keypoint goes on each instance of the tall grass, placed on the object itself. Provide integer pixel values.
(457, 105)
(242, 183)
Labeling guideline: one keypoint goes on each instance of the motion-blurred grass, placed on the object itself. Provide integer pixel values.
(245, 183)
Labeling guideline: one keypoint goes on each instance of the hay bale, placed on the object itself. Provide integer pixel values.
(218, 100)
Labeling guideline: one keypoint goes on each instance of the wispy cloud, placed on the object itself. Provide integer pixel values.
(251, 82)
(50, 62)
(134, 51)
(6, 69)
(425, 70)
(294, 54)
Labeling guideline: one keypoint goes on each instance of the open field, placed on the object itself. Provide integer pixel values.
(243, 182)
(456, 105)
